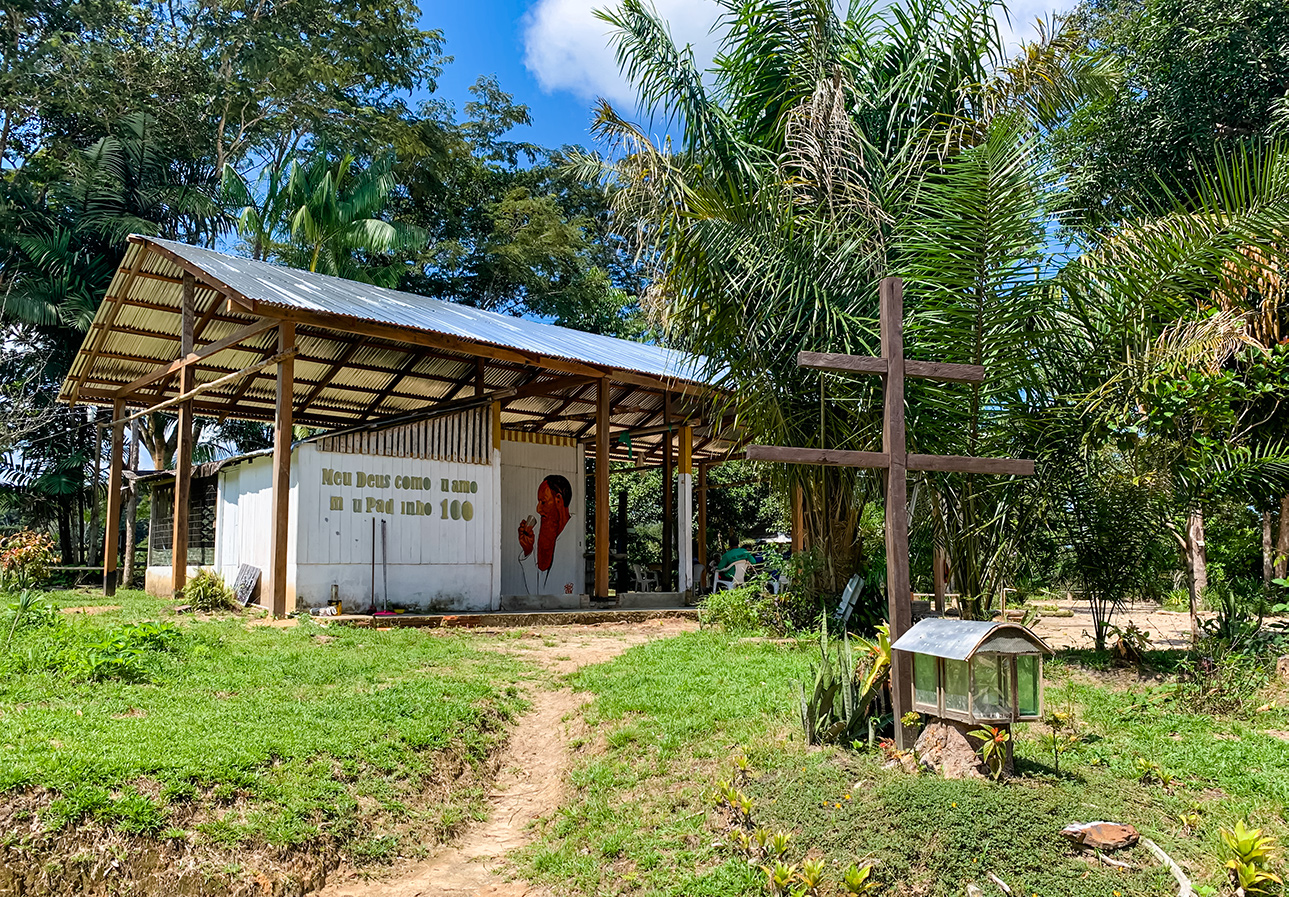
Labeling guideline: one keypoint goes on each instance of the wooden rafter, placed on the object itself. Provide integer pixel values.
(350, 351)
(211, 349)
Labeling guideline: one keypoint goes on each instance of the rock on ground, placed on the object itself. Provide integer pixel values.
(945, 750)
(1101, 835)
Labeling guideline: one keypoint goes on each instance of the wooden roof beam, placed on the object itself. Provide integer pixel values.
(206, 352)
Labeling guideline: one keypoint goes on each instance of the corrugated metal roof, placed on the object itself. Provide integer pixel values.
(359, 370)
(290, 288)
(960, 639)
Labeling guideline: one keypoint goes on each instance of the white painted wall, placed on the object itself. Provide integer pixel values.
(434, 557)
(523, 467)
(244, 517)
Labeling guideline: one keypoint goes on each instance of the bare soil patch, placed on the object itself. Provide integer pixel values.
(533, 767)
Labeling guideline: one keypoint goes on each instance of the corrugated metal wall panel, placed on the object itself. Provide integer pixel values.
(464, 437)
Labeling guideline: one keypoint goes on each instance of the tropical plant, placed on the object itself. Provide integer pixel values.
(993, 749)
(25, 559)
(818, 156)
(1249, 853)
(840, 701)
(333, 210)
(858, 880)
(811, 876)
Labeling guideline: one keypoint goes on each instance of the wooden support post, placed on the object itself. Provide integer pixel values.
(937, 561)
(702, 515)
(183, 442)
(668, 500)
(898, 590)
(602, 488)
(280, 532)
(685, 513)
(798, 519)
(112, 519)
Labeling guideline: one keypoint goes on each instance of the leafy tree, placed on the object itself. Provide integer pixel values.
(820, 155)
(1197, 74)
(511, 228)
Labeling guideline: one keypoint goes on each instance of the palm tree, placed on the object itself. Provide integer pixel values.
(334, 218)
(820, 155)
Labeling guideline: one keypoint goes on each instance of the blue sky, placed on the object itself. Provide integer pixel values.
(553, 55)
(486, 37)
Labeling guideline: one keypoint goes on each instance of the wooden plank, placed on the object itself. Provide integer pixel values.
(937, 577)
(898, 588)
(602, 488)
(851, 364)
(336, 368)
(668, 497)
(702, 515)
(279, 531)
(193, 270)
(189, 394)
(218, 346)
(546, 387)
(964, 464)
(412, 360)
(936, 370)
(112, 518)
(685, 512)
(183, 449)
(824, 457)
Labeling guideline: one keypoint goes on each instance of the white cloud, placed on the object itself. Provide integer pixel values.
(567, 47)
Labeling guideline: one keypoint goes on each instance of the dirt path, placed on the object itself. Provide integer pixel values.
(532, 771)
(1166, 628)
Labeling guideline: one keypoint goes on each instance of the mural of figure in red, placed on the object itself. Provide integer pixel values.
(554, 495)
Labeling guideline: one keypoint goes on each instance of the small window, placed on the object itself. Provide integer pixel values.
(955, 686)
(924, 676)
(991, 687)
(1027, 684)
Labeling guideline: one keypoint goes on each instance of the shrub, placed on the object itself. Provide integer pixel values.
(207, 592)
(1219, 679)
(125, 653)
(749, 608)
(25, 559)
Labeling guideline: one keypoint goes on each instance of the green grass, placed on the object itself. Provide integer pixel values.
(669, 717)
(244, 733)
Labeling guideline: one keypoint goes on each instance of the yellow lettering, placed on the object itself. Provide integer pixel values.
(349, 479)
(337, 503)
(328, 478)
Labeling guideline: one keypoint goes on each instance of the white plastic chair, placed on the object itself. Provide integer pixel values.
(646, 580)
(738, 573)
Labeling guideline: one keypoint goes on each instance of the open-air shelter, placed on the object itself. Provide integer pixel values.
(413, 397)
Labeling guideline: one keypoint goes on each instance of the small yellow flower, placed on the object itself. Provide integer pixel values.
(847, 797)
(954, 804)
(838, 806)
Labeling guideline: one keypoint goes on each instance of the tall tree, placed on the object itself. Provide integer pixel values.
(1197, 74)
(820, 155)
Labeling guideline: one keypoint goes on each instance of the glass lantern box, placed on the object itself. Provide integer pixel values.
(976, 672)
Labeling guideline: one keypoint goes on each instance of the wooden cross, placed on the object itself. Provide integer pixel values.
(896, 461)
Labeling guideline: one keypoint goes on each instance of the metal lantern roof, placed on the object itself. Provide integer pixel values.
(963, 639)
